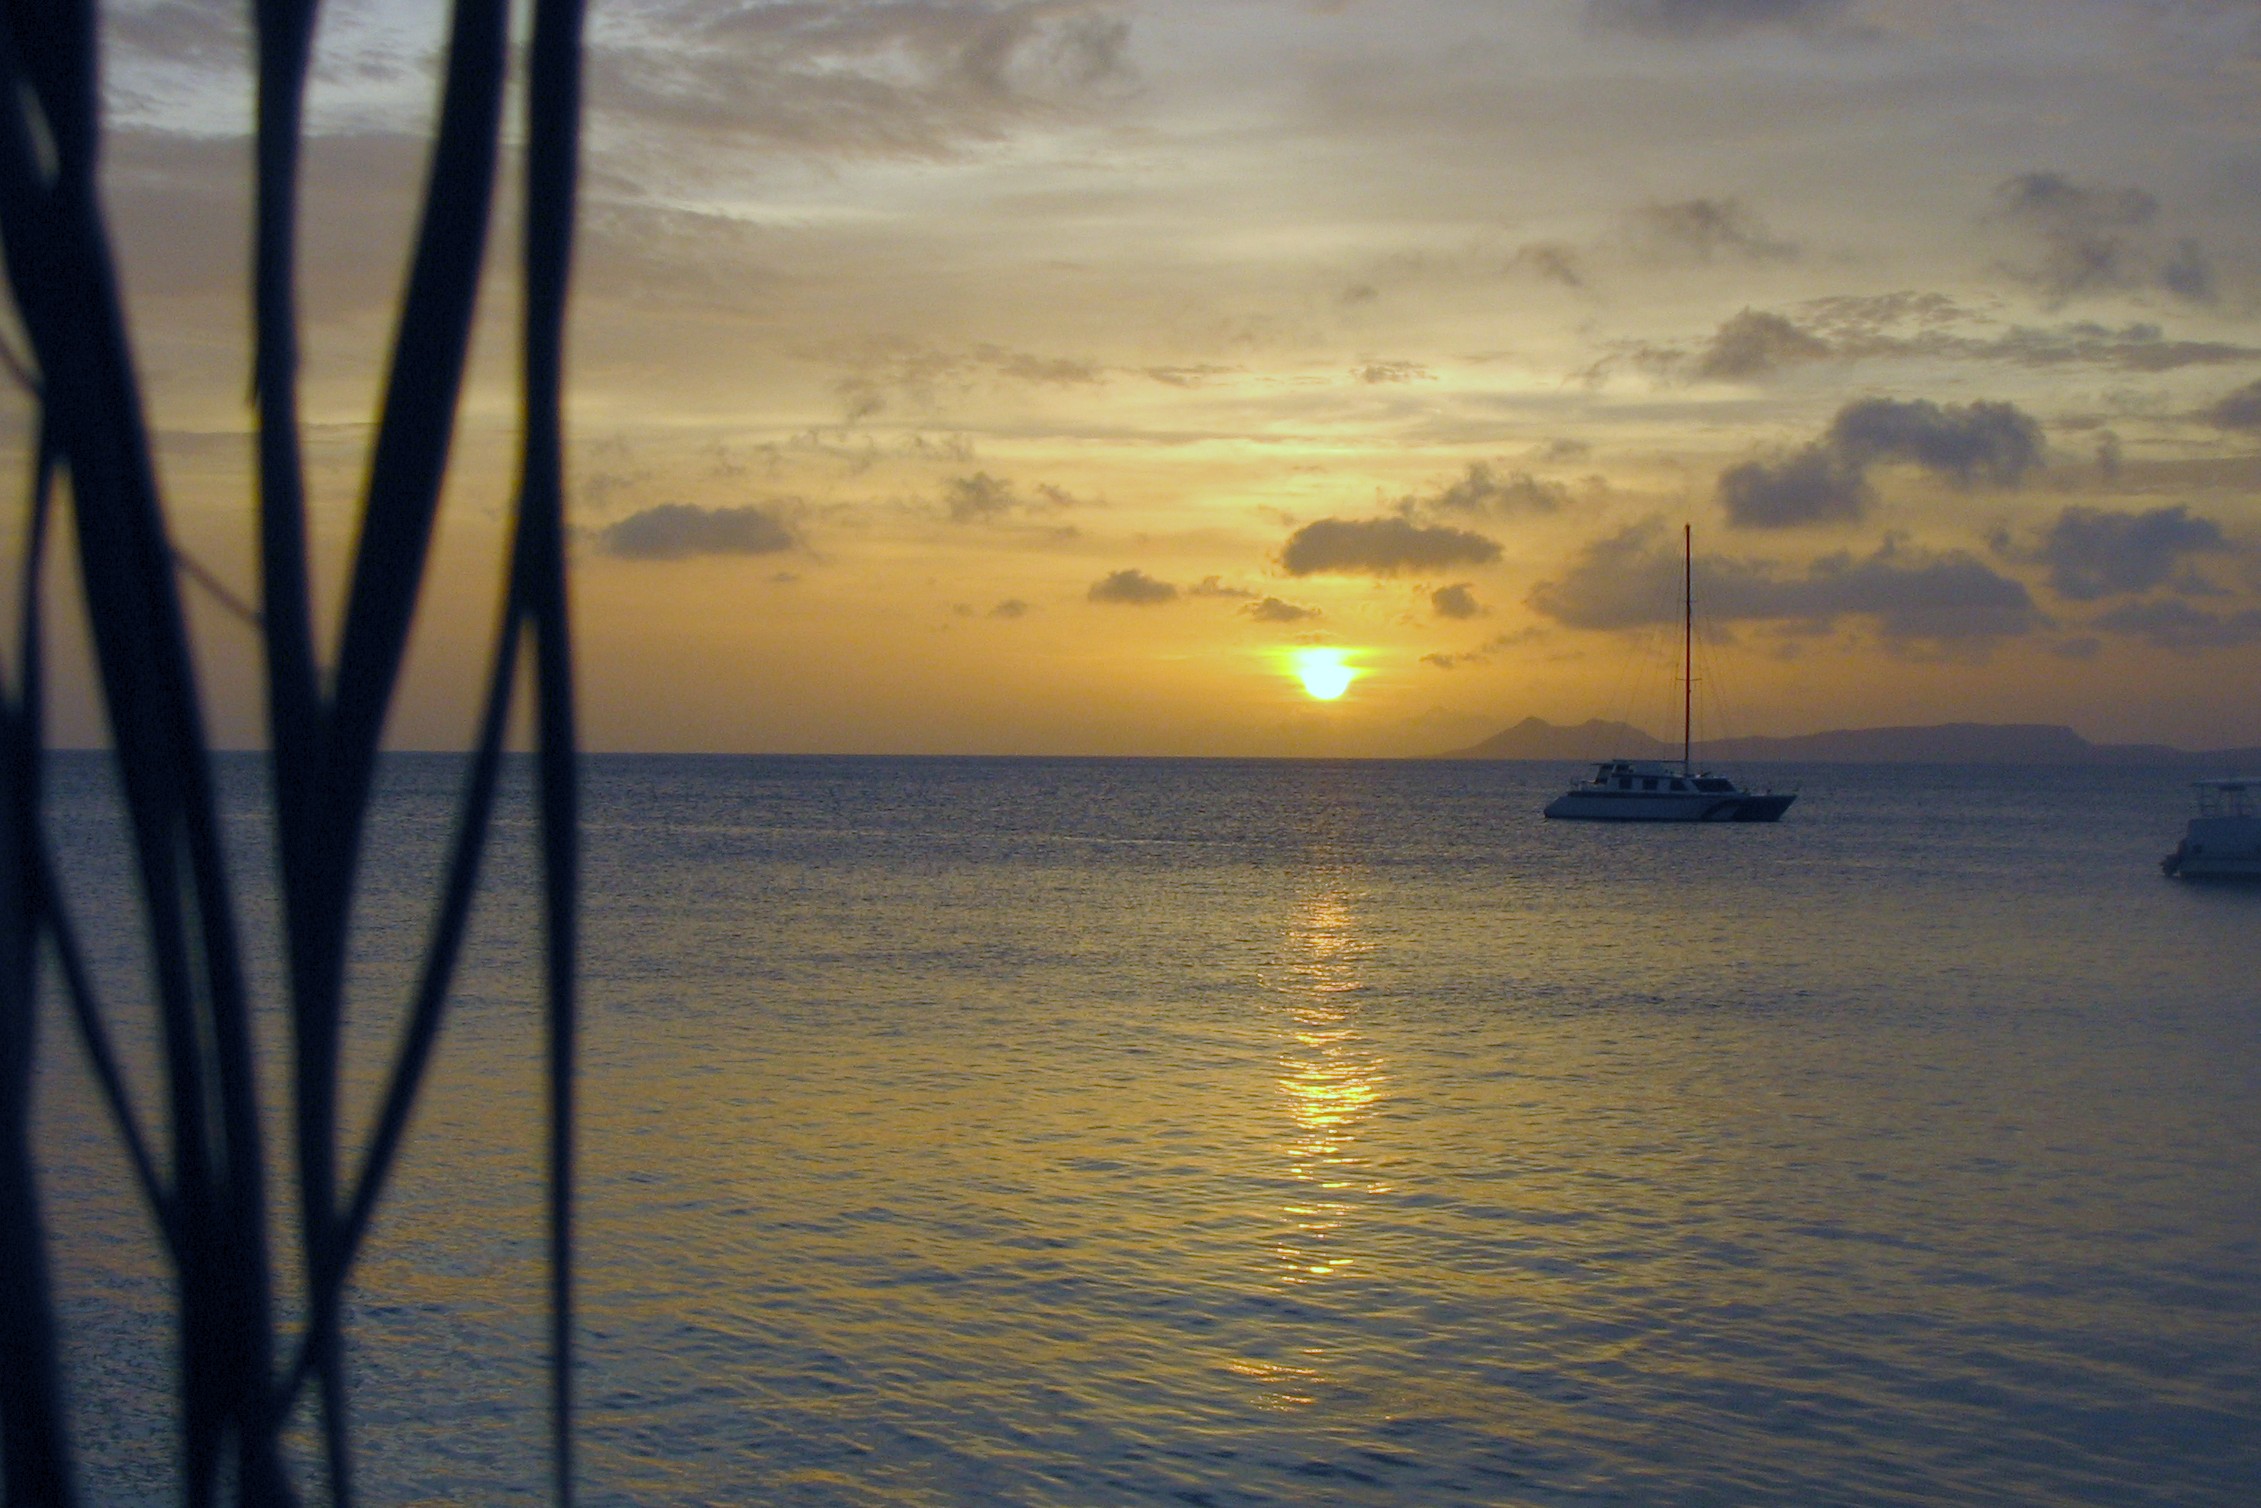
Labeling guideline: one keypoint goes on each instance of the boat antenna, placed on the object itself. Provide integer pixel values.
(1687, 648)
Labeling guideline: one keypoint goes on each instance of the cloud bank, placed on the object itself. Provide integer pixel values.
(1712, 19)
(2093, 552)
(1480, 492)
(1632, 578)
(1456, 601)
(1131, 588)
(1273, 610)
(1827, 480)
(678, 531)
(2095, 240)
(1381, 547)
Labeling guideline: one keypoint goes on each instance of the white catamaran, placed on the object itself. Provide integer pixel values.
(2223, 842)
(1636, 790)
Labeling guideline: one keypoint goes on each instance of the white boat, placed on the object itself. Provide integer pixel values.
(1635, 790)
(2223, 842)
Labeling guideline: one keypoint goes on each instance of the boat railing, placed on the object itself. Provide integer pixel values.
(2225, 798)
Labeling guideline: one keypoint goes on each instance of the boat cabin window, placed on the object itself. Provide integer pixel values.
(1624, 783)
(1648, 785)
(1715, 784)
(1680, 785)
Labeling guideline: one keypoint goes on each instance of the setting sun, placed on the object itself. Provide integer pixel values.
(1324, 672)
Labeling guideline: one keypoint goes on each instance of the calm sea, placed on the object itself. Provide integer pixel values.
(1081, 1132)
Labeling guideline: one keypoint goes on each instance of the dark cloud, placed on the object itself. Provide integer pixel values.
(1964, 442)
(2093, 552)
(1376, 372)
(1810, 485)
(1457, 601)
(884, 370)
(2240, 410)
(2111, 457)
(1273, 610)
(1132, 587)
(1755, 343)
(2188, 273)
(1562, 450)
(2096, 240)
(1632, 579)
(1686, 19)
(978, 498)
(2174, 624)
(2138, 347)
(1190, 376)
(1042, 371)
(1011, 607)
(1550, 261)
(677, 531)
(1381, 547)
(1482, 492)
(1921, 327)
(1215, 586)
(985, 499)
(1827, 481)
(1707, 230)
(1483, 653)
(858, 77)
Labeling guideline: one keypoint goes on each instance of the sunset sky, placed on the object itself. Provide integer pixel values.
(1038, 375)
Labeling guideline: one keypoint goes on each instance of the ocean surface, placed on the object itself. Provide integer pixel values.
(1086, 1132)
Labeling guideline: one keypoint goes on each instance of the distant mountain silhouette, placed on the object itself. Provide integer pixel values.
(1938, 743)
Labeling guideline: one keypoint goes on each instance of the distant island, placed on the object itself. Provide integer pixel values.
(1937, 743)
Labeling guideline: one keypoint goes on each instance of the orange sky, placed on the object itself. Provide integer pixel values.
(1037, 375)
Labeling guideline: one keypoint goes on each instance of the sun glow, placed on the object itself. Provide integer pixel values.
(1325, 673)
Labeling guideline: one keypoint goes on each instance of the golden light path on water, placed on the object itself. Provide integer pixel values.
(1331, 1080)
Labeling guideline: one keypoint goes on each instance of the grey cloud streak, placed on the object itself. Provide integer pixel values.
(2176, 625)
(860, 77)
(1712, 19)
(1755, 343)
(1632, 578)
(177, 34)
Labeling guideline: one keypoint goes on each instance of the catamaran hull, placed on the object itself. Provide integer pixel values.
(2217, 848)
(2181, 866)
(1659, 806)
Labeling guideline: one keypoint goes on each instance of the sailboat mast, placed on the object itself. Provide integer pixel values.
(1687, 648)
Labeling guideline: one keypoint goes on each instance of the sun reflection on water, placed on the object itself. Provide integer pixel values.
(1331, 1079)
